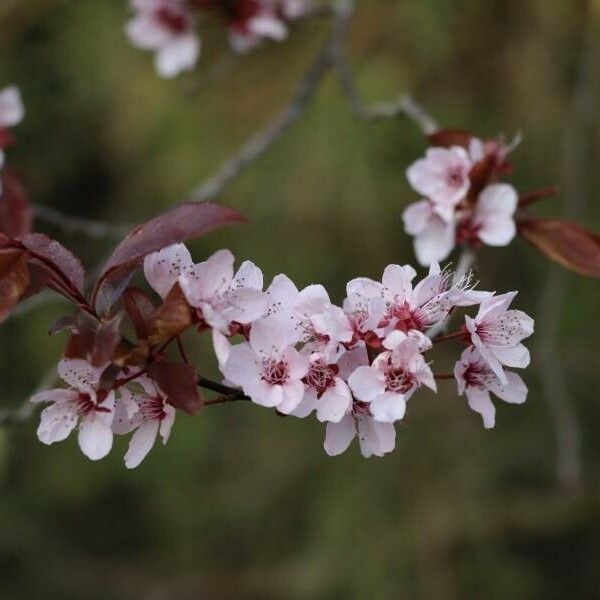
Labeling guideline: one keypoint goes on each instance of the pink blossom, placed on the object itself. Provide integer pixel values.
(493, 218)
(325, 391)
(167, 27)
(12, 110)
(222, 298)
(475, 379)
(434, 236)
(365, 309)
(310, 313)
(162, 269)
(442, 177)
(391, 380)
(268, 367)
(375, 438)
(146, 411)
(81, 405)
(497, 333)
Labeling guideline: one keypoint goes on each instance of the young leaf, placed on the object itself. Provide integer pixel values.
(93, 340)
(171, 318)
(139, 308)
(187, 221)
(179, 382)
(564, 242)
(51, 255)
(14, 279)
(15, 210)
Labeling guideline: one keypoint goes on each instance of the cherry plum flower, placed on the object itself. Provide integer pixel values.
(168, 28)
(80, 405)
(148, 413)
(492, 221)
(497, 333)
(224, 299)
(391, 379)
(268, 367)
(375, 438)
(162, 269)
(442, 177)
(434, 236)
(326, 392)
(11, 114)
(310, 313)
(476, 379)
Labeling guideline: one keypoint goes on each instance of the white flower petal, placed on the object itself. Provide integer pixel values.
(141, 443)
(366, 383)
(338, 436)
(388, 407)
(95, 437)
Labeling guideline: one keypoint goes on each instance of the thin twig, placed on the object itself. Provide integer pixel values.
(88, 227)
(260, 142)
(405, 106)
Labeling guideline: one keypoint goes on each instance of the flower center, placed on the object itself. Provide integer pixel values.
(152, 408)
(275, 372)
(407, 318)
(479, 375)
(455, 177)
(173, 19)
(398, 380)
(360, 409)
(321, 376)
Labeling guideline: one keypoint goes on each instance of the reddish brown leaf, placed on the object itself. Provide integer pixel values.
(171, 318)
(450, 137)
(179, 382)
(187, 221)
(564, 242)
(14, 279)
(139, 308)
(52, 256)
(94, 341)
(15, 210)
(127, 354)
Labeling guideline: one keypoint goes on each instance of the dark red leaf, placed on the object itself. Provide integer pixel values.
(53, 256)
(179, 382)
(139, 308)
(450, 137)
(93, 340)
(15, 210)
(564, 242)
(14, 279)
(171, 318)
(67, 323)
(187, 221)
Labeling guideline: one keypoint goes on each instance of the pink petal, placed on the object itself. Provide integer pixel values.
(479, 400)
(56, 422)
(180, 54)
(339, 435)
(515, 391)
(388, 407)
(162, 269)
(141, 443)
(375, 438)
(334, 403)
(95, 437)
(366, 383)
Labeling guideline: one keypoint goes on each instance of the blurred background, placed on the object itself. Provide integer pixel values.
(240, 503)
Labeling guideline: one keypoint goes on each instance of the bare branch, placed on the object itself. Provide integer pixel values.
(23, 412)
(405, 106)
(88, 227)
(577, 154)
(260, 142)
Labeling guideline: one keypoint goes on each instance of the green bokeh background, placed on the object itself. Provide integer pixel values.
(240, 503)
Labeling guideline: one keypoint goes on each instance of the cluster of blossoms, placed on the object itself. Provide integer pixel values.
(11, 114)
(170, 27)
(463, 201)
(355, 366)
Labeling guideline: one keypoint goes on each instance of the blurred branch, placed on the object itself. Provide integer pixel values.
(405, 106)
(582, 120)
(260, 142)
(88, 227)
(23, 412)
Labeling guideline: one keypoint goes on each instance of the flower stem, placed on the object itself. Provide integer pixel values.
(443, 376)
